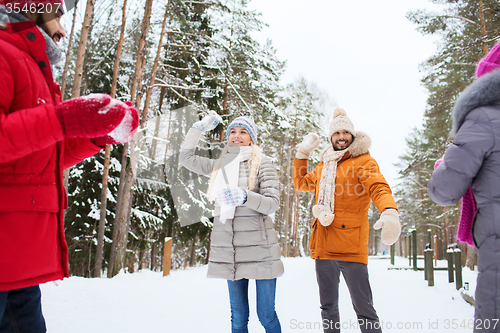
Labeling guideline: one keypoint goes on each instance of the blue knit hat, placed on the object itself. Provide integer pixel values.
(247, 123)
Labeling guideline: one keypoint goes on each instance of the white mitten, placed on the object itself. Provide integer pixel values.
(391, 228)
(310, 142)
(323, 214)
(231, 196)
(209, 122)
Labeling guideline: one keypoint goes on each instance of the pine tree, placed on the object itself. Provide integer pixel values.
(466, 30)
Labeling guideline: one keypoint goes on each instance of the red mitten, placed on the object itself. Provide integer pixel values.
(90, 116)
(123, 132)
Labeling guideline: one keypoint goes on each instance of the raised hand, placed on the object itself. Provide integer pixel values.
(209, 122)
(310, 142)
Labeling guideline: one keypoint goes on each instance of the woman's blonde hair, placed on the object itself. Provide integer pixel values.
(253, 165)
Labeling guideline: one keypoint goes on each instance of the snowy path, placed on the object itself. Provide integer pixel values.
(188, 302)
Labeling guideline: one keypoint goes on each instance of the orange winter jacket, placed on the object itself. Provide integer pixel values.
(358, 181)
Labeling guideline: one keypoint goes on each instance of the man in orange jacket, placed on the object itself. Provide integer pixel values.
(344, 182)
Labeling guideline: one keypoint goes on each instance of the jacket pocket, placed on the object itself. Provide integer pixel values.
(342, 240)
(29, 198)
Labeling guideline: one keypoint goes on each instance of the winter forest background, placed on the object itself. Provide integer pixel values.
(176, 60)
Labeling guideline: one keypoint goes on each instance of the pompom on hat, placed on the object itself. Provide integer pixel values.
(490, 62)
(247, 123)
(340, 122)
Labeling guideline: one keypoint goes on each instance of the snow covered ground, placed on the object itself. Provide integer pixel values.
(186, 301)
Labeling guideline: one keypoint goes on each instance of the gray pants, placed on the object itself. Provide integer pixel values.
(356, 278)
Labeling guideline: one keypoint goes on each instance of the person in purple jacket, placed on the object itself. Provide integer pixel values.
(473, 161)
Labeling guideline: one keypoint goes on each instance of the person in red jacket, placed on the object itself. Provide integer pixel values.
(40, 136)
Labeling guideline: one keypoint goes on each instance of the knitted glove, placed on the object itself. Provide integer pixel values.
(310, 142)
(323, 214)
(209, 122)
(391, 229)
(469, 208)
(123, 132)
(232, 196)
(90, 116)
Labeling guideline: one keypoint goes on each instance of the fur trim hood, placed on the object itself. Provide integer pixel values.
(482, 92)
(358, 147)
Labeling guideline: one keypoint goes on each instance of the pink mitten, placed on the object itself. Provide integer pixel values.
(469, 208)
(441, 160)
(124, 131)
(90, 116)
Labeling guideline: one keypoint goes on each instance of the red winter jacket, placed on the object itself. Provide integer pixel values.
(33, 155)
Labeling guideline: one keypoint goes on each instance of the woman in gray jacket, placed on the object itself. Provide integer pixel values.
(244, 244)
(474, 160)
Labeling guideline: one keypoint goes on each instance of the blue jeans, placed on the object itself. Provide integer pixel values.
(21, 311)
(238, 296)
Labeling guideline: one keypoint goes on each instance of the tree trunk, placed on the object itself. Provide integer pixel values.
(102, 221)
(116, 226)
(107, 155)
(483, 27)
(80, 56)
(296, 223)
(68, 53)
(155, 67)
(224, 106)
(287, 210)
(134, 144)
(119, 49)
(192, 255)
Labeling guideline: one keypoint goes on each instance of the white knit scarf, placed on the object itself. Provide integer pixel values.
(228, 176)
(326, 196)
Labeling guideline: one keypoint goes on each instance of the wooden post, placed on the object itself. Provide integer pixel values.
(435, 250)
(393, 250)
(429, 238)
(429, 253)
(167, 256)
(458, 268)
(414, 243)
(408, 237)
(426, 258)
(449, 256)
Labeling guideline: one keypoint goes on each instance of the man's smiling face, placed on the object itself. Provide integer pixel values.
(341, 139)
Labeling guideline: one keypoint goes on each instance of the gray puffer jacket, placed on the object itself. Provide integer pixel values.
(245, 247)
(474, 159)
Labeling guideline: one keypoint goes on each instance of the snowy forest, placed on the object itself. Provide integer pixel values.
(467, 30)
(176, 60)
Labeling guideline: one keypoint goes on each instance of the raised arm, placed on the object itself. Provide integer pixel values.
(198, 164)
(302, 180)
